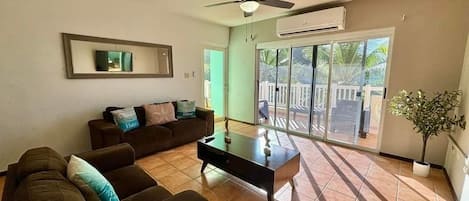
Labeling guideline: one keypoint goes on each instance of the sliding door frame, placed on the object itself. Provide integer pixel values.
(324, 40)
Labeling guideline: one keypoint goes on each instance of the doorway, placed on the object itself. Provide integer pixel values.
(333, 91)
(214, 82)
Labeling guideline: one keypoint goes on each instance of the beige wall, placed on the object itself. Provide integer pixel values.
(39, 106)
(454, 158)
(427, 54)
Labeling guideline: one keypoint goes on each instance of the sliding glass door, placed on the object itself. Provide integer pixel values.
(308, 89)
(301, 82)
(273, 87)
(346, 87)
(331, 91)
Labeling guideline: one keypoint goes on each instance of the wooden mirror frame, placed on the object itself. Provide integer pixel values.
(67, 38)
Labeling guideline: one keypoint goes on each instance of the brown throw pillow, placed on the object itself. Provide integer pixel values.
(159, 114)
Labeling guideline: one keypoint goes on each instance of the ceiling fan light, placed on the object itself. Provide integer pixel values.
(249, 6)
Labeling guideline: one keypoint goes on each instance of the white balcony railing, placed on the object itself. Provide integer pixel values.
(300, 94)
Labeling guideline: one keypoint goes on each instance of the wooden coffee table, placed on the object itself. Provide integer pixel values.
(244, 158)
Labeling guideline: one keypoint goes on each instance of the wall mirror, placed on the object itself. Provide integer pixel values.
(95, 57)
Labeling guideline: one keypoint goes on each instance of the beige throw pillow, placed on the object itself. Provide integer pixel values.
(159, 113)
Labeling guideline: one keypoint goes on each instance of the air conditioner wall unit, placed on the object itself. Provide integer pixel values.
(328, 20)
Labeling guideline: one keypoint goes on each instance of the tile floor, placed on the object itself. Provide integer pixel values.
(327, 172)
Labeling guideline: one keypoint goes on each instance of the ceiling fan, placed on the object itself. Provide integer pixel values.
(250, 6)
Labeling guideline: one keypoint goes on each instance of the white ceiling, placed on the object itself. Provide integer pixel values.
(231, 14)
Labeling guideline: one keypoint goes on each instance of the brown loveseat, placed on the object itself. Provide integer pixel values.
(40, 174)
(150, 139)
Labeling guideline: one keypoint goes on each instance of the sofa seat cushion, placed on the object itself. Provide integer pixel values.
(187, 195)
(149, 139)
(47, 185)
(154, 193)
(187, 130)
(129, 180)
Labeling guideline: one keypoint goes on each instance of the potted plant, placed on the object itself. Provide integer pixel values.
(430, 116)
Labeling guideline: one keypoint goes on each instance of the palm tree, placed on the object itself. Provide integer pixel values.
(348, 62)
(268, 58)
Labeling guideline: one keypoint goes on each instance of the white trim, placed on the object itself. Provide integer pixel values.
(328, 38)
(328, 99)
(256, 88)
(386, 85)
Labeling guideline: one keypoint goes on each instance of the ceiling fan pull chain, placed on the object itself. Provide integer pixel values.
(246, 31)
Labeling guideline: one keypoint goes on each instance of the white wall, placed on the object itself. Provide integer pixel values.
(39, 106)
(454, 158)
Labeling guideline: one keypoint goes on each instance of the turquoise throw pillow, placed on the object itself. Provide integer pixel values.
(185, 109)
(125, 119)
(89, 180)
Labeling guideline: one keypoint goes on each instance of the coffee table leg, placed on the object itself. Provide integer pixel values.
(292, 183)
(270, 196)
(204, 165)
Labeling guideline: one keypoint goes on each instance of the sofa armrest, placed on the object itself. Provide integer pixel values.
(104, 133)
(10, 184)
(187, 195)
(110, 158)
(208, 117)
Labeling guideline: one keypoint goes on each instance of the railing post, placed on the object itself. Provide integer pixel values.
(333, 95)
(367, 97)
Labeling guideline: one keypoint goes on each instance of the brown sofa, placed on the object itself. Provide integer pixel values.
(40, 174)
(150, 139)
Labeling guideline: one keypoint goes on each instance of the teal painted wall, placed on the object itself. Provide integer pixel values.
(241, 70)
(427, 54)
(217, 75)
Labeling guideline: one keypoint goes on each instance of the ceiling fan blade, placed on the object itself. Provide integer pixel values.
(246, 14)
(223, 3)
(277, 3)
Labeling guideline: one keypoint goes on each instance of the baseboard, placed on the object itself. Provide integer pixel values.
(450, 184)
(407, 159)
(241, 121)
(432, 165)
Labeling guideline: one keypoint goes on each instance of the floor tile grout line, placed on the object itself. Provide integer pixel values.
(399, 182)
(363, 178)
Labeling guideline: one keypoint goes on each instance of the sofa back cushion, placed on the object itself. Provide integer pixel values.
(40, 159)
(157, 114)
(47, 185)
(140, 111)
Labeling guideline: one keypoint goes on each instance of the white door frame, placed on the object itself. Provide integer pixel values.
(331, 39)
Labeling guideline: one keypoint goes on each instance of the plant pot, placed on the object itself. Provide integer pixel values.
(421, 169)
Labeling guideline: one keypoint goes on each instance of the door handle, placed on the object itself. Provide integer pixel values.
(385, 92)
